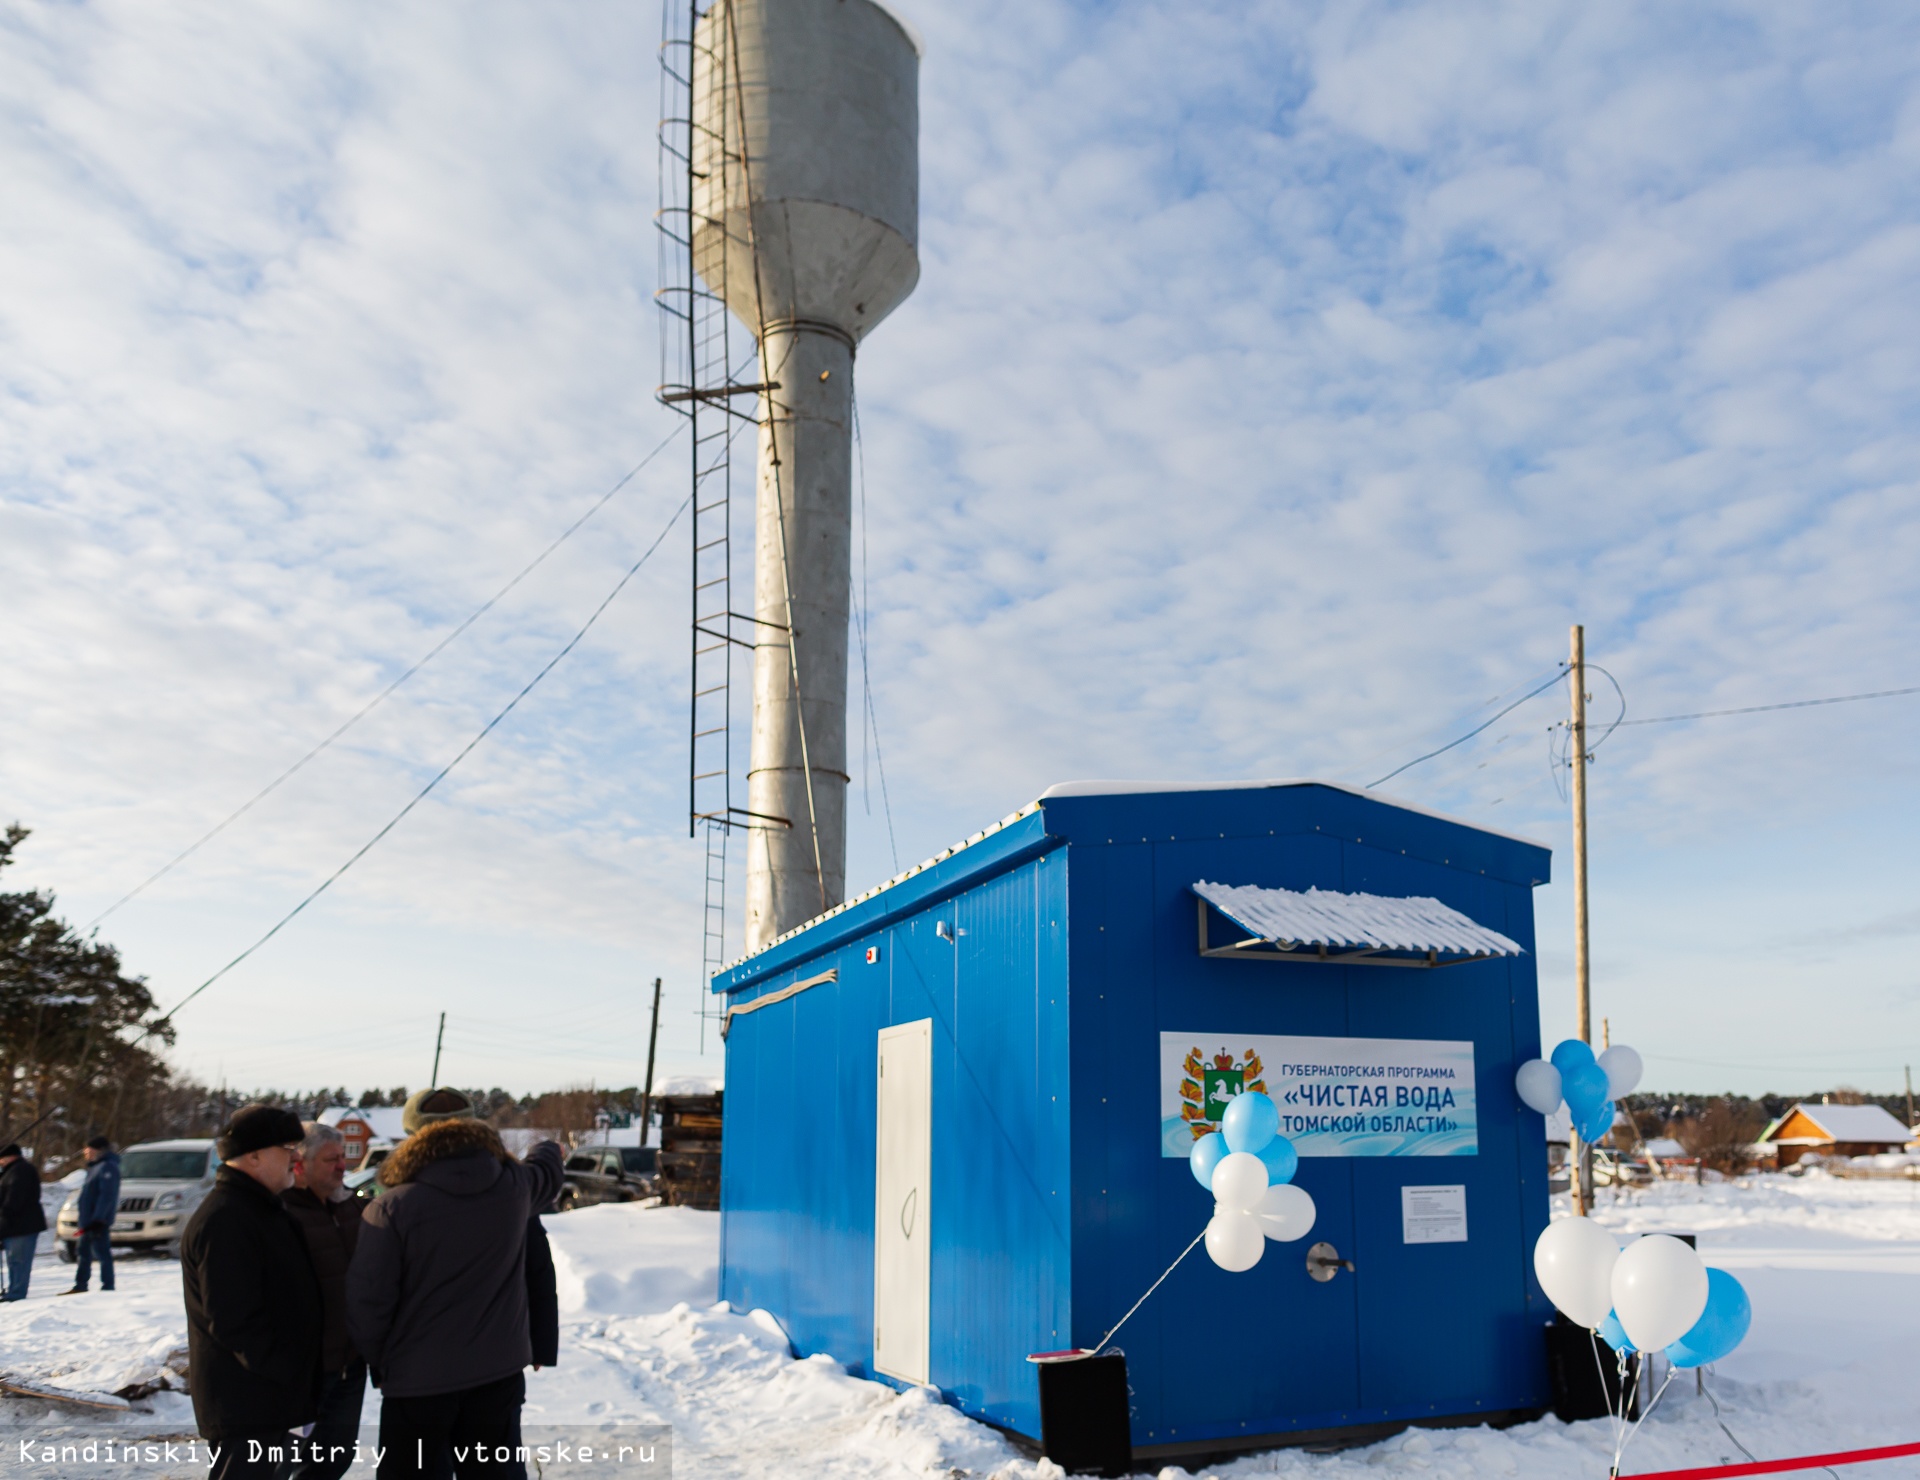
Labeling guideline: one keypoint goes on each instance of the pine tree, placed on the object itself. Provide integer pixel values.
(75, 1043)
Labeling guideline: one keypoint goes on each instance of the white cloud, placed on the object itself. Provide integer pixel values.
(1280, 383)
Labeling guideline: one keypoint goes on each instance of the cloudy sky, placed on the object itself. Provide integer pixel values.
(1282, 381)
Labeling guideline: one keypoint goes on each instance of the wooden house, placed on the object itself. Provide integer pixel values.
(1833, 1130)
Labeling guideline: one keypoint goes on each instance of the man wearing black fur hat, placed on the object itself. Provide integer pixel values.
(253, 1302)
(437, 1292)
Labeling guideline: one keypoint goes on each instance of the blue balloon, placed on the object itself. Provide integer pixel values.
(1596, 1125)
(1615, 1334)
(1566, 1055)
(1722, 1325)
(1281, 1159)
(1206, 1155)
(1250, 1121)
(1585, 1089)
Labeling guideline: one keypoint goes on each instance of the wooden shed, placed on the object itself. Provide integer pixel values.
(1834, 1130)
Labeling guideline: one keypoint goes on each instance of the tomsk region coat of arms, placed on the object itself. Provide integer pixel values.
(1210, 1083)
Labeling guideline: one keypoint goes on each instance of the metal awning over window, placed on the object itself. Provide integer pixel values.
(1345, 929)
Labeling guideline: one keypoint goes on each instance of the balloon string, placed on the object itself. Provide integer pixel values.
(1143, 1299)
(1628, 1392)
(1600, 1371)
(1671, 1369)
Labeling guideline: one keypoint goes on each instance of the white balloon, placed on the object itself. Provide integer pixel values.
(1659, 1289)
(1233, 1239)
(1538, 1084)
(1239, 1180)
(1574, 1261)
(1623, 1068)
(1286, 1213)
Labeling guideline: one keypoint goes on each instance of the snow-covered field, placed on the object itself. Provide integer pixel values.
(1833, 1268)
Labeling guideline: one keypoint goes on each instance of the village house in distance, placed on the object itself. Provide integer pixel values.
(1834, 1130)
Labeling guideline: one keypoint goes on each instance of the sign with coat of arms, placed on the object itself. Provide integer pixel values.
(1336, 1096)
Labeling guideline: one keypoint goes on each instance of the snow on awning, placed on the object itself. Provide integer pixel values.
(1350, 929)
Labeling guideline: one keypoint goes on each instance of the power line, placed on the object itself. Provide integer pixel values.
(379, 698)
(1462, 740)
(1439, 729)
(1667, 719)
(420, 796)
(872, 726)
(1850, 1066)
(1557, 762)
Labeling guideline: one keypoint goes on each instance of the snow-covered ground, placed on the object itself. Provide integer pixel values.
(1833, 1267)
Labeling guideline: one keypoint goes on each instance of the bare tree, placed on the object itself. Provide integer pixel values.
(1722, 1135)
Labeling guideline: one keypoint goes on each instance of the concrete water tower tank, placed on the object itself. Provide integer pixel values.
(806, 211)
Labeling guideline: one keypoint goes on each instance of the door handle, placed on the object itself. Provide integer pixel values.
(1324, 1261)
(907, 1211)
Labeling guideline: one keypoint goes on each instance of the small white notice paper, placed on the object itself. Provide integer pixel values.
(1433, 1215)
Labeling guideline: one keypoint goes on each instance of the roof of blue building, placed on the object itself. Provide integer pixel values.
(1028, 832)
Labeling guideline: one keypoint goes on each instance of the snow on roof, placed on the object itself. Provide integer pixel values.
(386, 1121)
(1327, 917)
(1158, 788)
(691, 1084)
(1665, 1146)
(1846, 1123)
(1103, 789)
(900, 878)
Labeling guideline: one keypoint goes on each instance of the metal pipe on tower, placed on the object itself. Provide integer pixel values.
(806, 218)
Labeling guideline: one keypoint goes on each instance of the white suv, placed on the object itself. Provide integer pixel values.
(161, 1183)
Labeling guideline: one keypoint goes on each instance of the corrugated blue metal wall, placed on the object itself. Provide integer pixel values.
(798, 1144)
(1052, 1207)
(1417, 1330)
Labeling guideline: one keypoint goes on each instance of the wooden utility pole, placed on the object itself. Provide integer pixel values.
(653, 1041)
(438, 1039)
(1581, 1183)
(1910, 1097)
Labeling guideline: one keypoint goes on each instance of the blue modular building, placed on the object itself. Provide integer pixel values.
(959, 1109)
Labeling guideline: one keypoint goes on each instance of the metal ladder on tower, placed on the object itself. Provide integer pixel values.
(699, 378)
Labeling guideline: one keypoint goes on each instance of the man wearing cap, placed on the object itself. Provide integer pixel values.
(254, 1319)
(22, 1219)
(99, 1205)
(437, 1292)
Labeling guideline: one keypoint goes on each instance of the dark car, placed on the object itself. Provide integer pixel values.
(597, 1174)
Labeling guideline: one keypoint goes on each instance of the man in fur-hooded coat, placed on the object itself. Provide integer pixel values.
(437, 1292)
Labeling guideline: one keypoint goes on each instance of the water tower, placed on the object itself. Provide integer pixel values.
(802, 213)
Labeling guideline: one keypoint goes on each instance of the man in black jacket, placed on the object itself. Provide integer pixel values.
(437, 1292)
(253, 1303)
(22, 1219)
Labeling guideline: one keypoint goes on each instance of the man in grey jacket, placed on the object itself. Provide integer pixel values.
(437, 1291)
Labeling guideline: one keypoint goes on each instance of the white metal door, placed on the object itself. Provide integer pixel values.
(903, 1168)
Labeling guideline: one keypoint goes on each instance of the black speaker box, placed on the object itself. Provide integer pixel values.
(1085, 1420)
(1585, 1373)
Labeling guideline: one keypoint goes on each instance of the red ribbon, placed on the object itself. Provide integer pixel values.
(1775, 1466)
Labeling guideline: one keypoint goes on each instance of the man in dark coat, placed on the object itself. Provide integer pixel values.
(543, 1297)
(22, 1219)
(253, 1304)
(437, 1292)
(329, 1219)
(99, 1205)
